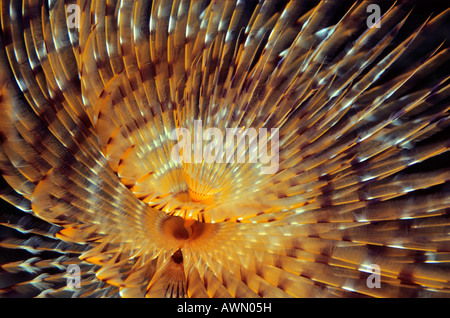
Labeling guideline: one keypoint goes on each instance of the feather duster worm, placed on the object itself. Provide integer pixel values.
(92, 92)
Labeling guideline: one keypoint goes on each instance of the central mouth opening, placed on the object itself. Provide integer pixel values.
(182, 229)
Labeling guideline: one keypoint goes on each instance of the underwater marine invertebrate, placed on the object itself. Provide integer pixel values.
(92, 91)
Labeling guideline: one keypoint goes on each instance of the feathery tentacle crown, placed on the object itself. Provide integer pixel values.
(93, 93)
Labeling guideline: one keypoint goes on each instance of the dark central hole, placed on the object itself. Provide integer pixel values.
(182, 229)
(175, 227)
(185, 229)
(180, 233)
(177, 257)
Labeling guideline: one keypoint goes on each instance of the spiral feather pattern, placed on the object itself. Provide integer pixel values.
(92, 91)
